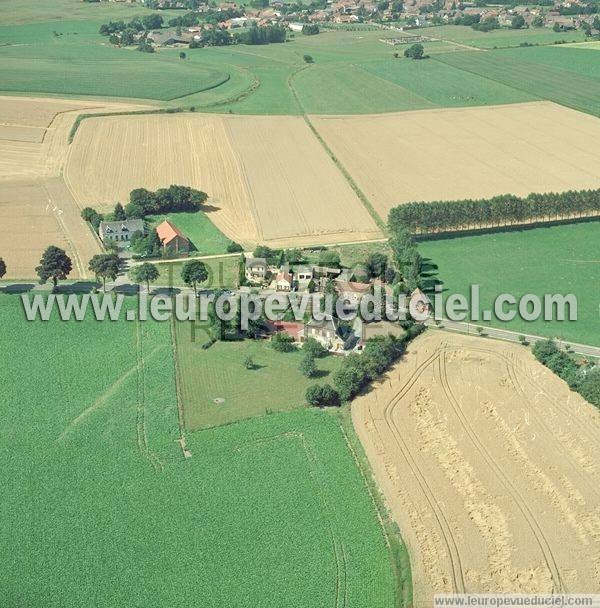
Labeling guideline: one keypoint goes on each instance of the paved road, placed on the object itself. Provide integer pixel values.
(512, 336)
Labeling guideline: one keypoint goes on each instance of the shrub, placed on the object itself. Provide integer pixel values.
(233, 247)
(314, 348)
(307, 366)
(282, 343)
(322, 395)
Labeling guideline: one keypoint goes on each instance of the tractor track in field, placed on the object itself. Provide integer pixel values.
(456, 569)
(542, 541)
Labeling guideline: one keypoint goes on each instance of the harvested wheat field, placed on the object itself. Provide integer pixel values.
(451, 154)
(489, 464)
(36, 207)
(268, 178)
(38, 213)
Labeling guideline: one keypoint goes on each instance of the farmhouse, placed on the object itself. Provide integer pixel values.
(326, 332)
(256, 269)
(172, 239)
(283, 281)
(121, 231)
(352, 291)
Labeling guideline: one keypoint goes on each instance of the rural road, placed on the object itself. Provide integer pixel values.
(511, 336)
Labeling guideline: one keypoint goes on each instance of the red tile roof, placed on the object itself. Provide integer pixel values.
(167, 232)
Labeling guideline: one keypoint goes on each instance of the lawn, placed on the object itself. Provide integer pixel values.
(218, 372)
(99, 507)
(223, 272)
(204, 235)
(565, 75)
(559, 259)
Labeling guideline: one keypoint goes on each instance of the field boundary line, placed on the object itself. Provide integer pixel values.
(177, 373)
(398, 550)
(359, 193)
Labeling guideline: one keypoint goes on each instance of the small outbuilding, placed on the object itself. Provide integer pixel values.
(172, 239)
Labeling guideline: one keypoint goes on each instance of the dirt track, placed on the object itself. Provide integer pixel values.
(268, 178)
(489, 464)
(458, 153)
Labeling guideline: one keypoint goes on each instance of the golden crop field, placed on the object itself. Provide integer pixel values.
(269, 180)
(36, 207)
(489, 465)
(461, 153)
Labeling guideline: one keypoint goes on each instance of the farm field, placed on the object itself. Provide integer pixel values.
(206, 238)
(502, 37)
(111, 508)
(564, 75)
(464, 153)
(559, 259)
(37, 208)
(218, 372)
(488, 464)
(268, 178)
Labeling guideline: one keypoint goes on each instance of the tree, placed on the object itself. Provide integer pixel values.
(249, 363)
(152, 22)
(517, 22)
(308, 59)
(105, 266)
(307, 366)
(144, 273)
(596, 23)
(321, 395)
(313, 348)
(194, 272)
(182, 55)
(538, 21)
(55, 265)
(233, 247)
(330, 259)
(119, 213)
(377, 264)
(282, 343)
(556, 27)
(415, 51)
(2, 268)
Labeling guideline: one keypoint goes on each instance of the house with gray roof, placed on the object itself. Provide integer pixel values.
(120, 231)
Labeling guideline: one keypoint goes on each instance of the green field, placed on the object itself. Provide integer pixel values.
(504, 37)
(218, 372)
(566, 75)
(223, 272)
(204, 235)
(558, 259)
(99, 507)
(271, 79)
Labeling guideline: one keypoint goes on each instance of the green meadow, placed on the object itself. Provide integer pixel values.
(566, 75)
(205, 237)
(218, 373)
(100, 507)
(552, 260)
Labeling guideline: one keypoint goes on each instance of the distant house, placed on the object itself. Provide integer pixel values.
(283, 281)
(296, 27)
(119, 231)
(168, 37)
(256, 269)
(325, 332)
(365, 331)
(172, 239)
(305, 273)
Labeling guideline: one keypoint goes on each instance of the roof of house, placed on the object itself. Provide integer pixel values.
(284, 276)
(328, 323)
(121, 226)
(167, 232)
(304, 270)
(288, 327)
(352, 287)
(253, 262)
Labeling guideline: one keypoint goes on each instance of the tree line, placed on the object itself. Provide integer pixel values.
(583, 378)
(503, 210)
(144, 202)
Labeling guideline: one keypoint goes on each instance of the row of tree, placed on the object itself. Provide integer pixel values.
(137, 24)
(407, 259)
(504, 210)
(581, 377)
(144, 202)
